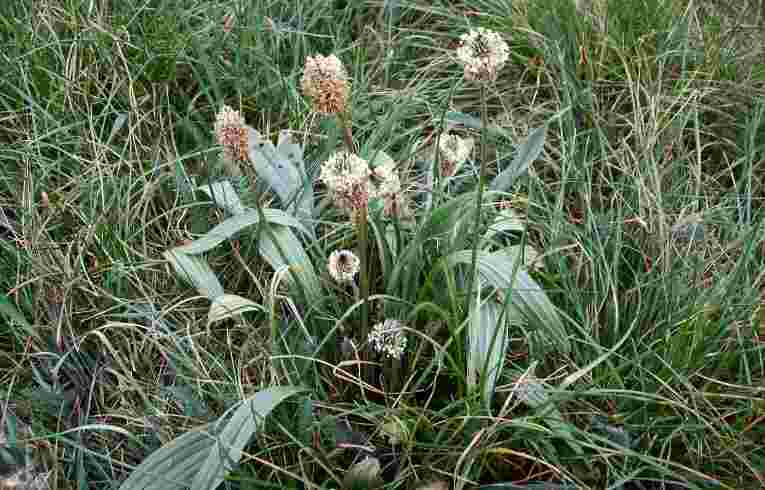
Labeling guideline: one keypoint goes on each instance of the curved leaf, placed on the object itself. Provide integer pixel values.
(229, 305)
(225, 196)
(200, 458)
(174, 465)
(497, 269)
(283, 169)
(487, 343)
(233, 225)
(527, 153)
(245, 421)
(196, 271)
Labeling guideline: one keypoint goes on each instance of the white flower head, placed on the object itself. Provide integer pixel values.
(343, 265)
(231, 133)
(343, 170)
(386, 180)
(454, 151)
(482, 53)
(388, 338)
(347, 177)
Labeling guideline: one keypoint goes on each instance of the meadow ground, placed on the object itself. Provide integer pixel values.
(561, 279)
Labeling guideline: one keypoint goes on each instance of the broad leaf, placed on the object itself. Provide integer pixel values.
(506, 221)
(487, 342)
(202, 457)
(497, 270)
(196, 271)
(527, 153)
(294, 256)
(454, 118)
(245, 421)
(174, 465)
(531, 486)
(228, 305)
(225, 196)
(234, 225)
(282, 168)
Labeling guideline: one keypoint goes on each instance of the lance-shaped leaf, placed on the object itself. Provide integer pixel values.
(225, 196)
(270, 241)
(246, 420)
(487, 341)
(527, 153)
(283, 169)
(233, 225)
(201, 458)
(196, 271)
(501, 271)
(228, 305)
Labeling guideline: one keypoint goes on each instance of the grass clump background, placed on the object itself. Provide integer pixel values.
(220, 272)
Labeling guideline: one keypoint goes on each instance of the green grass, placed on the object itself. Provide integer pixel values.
(645, 205)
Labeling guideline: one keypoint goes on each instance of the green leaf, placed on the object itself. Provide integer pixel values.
(295, 258)
(282, 168)
(11, 312)
(455, 118)
(531, 486)
(233, 225)
(270, 241)
(196, 271)
(533, 393)
(506, 221)
(487, 342)
(200, 458)
(497, 269)
(527, 153)
(225, 196)
(174, 465)
(245, 421)
(228, 305)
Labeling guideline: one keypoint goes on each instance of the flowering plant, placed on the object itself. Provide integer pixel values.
(396, 233)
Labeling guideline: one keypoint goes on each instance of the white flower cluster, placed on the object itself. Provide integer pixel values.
(454, 151)
(388, 188)
(343, 265)
(482, 53)
(231, 133)
(385, 179)
(388, 338)
(346, 175)
(352, 183)
(322, 68)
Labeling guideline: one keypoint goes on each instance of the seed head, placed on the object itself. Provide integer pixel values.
(343, 265)
(325, 82)
(482, 53)
(232, 134)
(388, 338)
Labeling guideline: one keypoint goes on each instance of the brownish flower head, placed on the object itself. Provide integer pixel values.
(231, 133)
(325, 82)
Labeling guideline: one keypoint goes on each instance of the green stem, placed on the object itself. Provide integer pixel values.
(364, 273)
(345, 123)
(479, 202)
